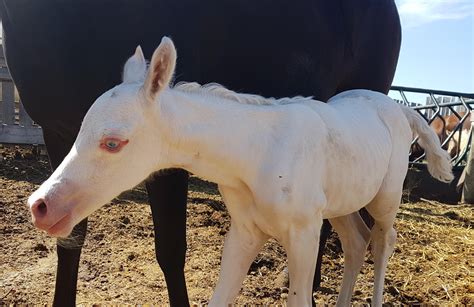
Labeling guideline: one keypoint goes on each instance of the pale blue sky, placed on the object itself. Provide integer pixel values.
(437, 45)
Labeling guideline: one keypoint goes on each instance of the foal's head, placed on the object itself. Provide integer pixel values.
(115, 148)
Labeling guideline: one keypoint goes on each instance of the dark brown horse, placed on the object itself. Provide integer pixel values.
(305, 47)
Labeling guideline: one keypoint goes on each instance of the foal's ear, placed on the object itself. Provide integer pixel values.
(135, 68)
(161, 68)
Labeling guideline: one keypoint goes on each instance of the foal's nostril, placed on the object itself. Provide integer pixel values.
(42, 208)
(39, 208)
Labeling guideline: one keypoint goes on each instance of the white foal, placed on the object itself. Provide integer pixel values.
(281, 166)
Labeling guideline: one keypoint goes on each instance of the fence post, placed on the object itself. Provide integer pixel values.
(8, 102)
(468, 186)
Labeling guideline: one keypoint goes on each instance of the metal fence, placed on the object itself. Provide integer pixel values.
(436, 104)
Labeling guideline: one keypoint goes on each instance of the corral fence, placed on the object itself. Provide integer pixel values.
(16, 127)
(441, 106)
(435, 104)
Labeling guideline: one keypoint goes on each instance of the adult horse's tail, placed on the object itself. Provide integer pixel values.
(438, 159)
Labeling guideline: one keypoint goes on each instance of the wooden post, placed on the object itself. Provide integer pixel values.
(468, 173)
(13, 131)
(8, 102)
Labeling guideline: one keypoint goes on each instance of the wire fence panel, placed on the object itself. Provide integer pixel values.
(448, 113)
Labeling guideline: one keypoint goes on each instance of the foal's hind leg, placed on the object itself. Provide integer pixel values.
(167, 193)
(68, 249)
(355, 236)
(383, 209)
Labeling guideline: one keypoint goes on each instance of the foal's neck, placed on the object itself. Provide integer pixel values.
(206, 136)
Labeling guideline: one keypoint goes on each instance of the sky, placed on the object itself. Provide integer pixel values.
(437, 49)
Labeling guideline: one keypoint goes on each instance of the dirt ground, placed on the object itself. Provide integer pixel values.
(433, 262)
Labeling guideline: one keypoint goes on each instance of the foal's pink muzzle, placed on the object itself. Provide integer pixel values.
(48, 215)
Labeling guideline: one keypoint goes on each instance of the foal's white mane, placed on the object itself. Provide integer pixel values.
(217, 90)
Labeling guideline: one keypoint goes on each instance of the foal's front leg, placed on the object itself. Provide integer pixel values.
(301, 244)
(240, 249)
(242, 244)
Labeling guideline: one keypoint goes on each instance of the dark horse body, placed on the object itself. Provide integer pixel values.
(63, 54)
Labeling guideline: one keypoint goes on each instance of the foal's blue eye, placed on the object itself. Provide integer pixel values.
(112, 144)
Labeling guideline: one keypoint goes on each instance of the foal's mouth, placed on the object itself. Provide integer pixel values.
(58, 229)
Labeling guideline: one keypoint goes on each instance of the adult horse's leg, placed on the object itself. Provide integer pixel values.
(69, 253)
(167, 192)
(68, 249)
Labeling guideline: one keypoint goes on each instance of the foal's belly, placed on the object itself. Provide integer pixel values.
(354, 179)
(352, 197)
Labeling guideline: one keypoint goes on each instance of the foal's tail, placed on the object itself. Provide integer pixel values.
(439, 164)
